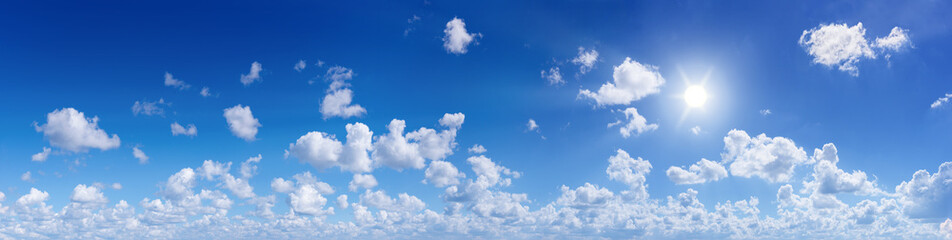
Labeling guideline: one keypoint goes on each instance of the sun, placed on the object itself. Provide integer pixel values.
(695, 96)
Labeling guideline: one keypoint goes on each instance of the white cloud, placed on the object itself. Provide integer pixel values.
(765, 112)
(41, 156)
(337, 102)
(253, 74)
(452, 120)
(553, 76)
(26, 177)
(477, 149)
(71, 130)
(585, 59)
(696, 130)
(248, 167)
(308, 201)
(843, 46)
(366, 181)
(282, 186)
(700, 172)
(241, 122)
(772, 159)
(830, 179)
(342, 201)
(456, 38)
(149, 108)
(442, 173)
(300, 65)
(636, 123)
(942, 100)
(87, 195)
(319, 149)
(896, 40)
(945, 228)
(393, 150)
(172, 82)
(490, 173)
(532, 126)
(354, 157)
(205, 92)
(928, 195)
(116, 186)
(179, 185)
(585, 196)
(631, 172)
(178, 129)
(138, 154)
(631, 81)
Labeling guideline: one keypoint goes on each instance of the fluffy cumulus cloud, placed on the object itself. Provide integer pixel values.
(928, 195)
(171, 81)
(456, 39)
(71, 130)
(625, 169)
(442, 173)
(300, 65)
(400, 151)
(631, 81)
(771, 159)
(700, 172)
(323, 150)
(365, 181)
(254, 74)
(830, 179)
(339, 98)
(178, 129)
(634, 123)
(241, 122)
(585, 60)
(844, 46)
(477, 149)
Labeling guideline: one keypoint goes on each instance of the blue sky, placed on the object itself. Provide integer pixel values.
(869, 77)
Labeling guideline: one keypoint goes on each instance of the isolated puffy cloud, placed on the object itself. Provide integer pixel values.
(26, 177)
(87, 195)
(700, 172)
(41, 156)
(170, 81)
(531, 125)
(138, 154)
(319, 149)
(553, 76)
(635, 123)
(149, 108)
(253, 74)
(456, 38)
(300, 65)
(631, 81)
(69, 129)
(942, 100)
(477, 149)
(630, 171)
(585, 60)
(843, 46)
(452, 120)
(205, 92)
(442, 173)
(772, 159)
(928, 195)
(366, 181)
(337, 102)
(241, 122)
(178, 129)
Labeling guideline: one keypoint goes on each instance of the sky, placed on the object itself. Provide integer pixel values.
(475, 120)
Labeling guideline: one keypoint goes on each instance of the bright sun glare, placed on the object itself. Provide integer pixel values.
(695, 96)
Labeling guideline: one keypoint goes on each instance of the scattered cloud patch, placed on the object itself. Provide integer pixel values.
(300, 65)
(765, 112)
(477, 149)
(636, 123)
(254, 74)
(585, 60)
(339, 98)
(41, 156)
(178, 129)
(700, 172)
(171, 81)
(138, 154)
(696, 130)
(149, 108)
(844, 46)
(941, 101)
(553, 76)
(26, 177)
